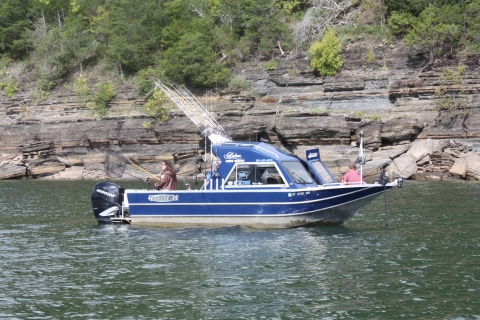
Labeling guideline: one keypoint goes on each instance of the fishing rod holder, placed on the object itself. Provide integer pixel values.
(400, 181)
(383, 179)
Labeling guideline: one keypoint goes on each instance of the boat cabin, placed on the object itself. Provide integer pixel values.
(260, 165)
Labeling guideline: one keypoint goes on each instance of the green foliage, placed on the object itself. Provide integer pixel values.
(436, 30)
(239, 82)
(14, 24)
(374, 117)
(82, 90)
(147, 125)
(197, 41)
(271, 65)
(39, 95)
(59, 49)
(451, 94)
(158, 106)
(145, 85)
(291, 6)
(472, 17)
(44, 83)
(325, 55)
(413, 7)
(192, 60)
(361, 32)
(102, 98)
(194, 41)
(10, 87)
(5, 61)
(374, 11)
(250, 28)
(400, 22)
(133, 31)
(370, 56)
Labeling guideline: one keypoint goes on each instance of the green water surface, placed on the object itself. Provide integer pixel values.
(56, 262)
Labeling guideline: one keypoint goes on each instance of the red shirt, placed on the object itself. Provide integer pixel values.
(352, 176)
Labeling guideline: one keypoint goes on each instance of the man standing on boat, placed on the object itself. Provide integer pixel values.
(352, 176)
(168, 179)
(212, 173)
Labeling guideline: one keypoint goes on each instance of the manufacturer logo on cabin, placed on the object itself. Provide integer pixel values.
(232, 155)
(313, 154)
(163, 198)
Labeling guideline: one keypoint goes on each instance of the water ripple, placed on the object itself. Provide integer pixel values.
(56, 262)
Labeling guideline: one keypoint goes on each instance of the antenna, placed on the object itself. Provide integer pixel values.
(361, 157)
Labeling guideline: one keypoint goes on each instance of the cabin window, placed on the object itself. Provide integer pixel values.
(298, 172)
(254, 174)
(323, 172)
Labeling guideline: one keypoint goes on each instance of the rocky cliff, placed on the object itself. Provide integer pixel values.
(391, 100)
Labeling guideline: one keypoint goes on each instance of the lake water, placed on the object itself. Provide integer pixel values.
(56, 262)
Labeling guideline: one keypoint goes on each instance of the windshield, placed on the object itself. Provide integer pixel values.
(298, 172)
(322, 171)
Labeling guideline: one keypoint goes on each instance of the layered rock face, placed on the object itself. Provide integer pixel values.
(292, 108)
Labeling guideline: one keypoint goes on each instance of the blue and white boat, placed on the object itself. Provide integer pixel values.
(257, 185)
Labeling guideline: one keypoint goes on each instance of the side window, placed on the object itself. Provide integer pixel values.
(254, 174)
(322, 171)
(240, 175)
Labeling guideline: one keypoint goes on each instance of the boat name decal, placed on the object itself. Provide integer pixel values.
(264, 160)
(105, 193)
(163, 197)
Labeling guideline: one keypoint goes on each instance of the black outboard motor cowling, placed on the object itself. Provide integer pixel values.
(107, 201)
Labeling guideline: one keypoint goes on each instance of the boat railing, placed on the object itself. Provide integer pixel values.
(266, 150)
(209, 186)
(339, 184)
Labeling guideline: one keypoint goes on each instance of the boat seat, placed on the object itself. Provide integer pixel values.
(271, 177)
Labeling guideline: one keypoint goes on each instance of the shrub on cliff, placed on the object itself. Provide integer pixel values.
(102, 98)
(452, 101)
(158, 106)
(325, 55)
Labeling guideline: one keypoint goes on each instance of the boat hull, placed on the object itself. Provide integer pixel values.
(285, 209)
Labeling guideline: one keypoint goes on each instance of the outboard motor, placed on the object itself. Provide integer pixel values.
(107, 201)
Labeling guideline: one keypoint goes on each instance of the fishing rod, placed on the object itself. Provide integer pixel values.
(195, 111)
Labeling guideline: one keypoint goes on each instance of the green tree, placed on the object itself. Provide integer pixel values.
(14, 23)
(193, 60)
(400, 23)
(436, 29)
(325, 55)
(250, 27)
(472, 17)
(131, 33)
(291, 6)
